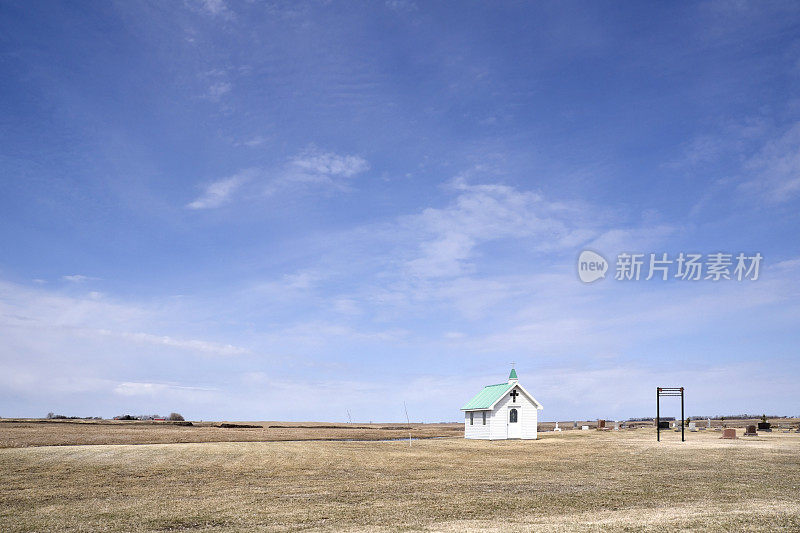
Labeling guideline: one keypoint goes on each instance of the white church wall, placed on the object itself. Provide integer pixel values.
(499, 423)
(528, 417)
(477, 430)
(530, 422)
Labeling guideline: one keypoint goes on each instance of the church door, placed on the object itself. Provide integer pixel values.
(515, 423)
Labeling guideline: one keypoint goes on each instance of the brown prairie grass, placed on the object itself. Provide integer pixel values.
(23, 433)
(576, 481)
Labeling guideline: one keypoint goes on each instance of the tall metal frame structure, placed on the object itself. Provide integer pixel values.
(668, 391)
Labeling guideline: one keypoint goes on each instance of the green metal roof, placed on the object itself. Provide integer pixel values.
(488, 396)
(513, 374)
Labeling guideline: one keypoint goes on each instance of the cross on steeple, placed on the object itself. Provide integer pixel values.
(514, 395)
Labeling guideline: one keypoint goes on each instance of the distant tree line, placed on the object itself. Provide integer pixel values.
(743, 416)
(53, 416)
(174, 417)
(739, 416)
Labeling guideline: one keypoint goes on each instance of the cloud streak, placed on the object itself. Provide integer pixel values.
(191, 345)
(482, 213)
(52, 314)
(777, 168)
(77, 278)
(311, 169)
(159, 390)
(216, 8)
(220, 192)
(314, 168)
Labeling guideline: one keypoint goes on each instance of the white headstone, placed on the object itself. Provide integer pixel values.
(616, 425)
(692, 426)
(556, 428)
(585, 428)
(708, 423)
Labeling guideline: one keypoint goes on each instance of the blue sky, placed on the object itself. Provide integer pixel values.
(255, 210)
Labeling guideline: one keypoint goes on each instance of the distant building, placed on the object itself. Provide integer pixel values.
(502, 411)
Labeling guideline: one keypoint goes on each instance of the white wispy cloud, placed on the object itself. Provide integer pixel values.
(192, 345)
(401, 5)
(309, 169)
(78, 278)
(220, 192)
(216, 8)
(218, 90)
(317, 168)
(774, 172)
(65, 351)
(215, 83)
(258, 140)
(330, 164)
(92, 318)
(482, 213)
(310, 334)
(728, 139)
(637, 239)
(767, 159)
(160, 390)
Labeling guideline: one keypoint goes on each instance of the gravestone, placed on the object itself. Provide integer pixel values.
(708, 423)
(585, 428)
(601, 424)
(751, 432)
(663, 425)
(728, 433)
(692, 426)
(575, 425)
(764, 426)
(616, 426)
(556, 428)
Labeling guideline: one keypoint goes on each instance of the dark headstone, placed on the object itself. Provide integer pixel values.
(601, 424)
(663, 424)
(764, 426)
(751, 432)
(728, 433)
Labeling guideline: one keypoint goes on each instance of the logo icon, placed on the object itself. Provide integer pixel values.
(591, 266)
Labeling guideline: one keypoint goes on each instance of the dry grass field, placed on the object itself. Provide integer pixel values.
(573, 481)
(23, 433)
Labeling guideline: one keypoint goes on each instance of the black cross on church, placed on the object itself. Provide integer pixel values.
(514, 395)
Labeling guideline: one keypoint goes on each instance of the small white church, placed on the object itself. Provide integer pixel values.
(502, 411)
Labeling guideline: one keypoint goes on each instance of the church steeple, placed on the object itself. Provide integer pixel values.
(512, 377)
